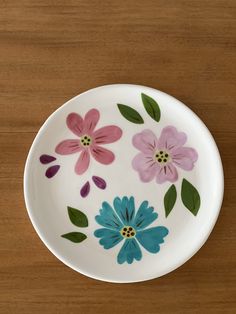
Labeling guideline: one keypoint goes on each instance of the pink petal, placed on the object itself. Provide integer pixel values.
(170, 138)
(167, 173)
(145, 165)
(68, 147)
(107, 134)
(75, 123)
(145, 141)
(83, 162)
(184, 157)
(102, 155)
(90, 121)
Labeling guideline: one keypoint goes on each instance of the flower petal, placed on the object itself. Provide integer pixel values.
(85, 189)
(129, 251)
(102, 155)
(99, 182)
(90, 121)
(51, 171)
(125, 209)
(184, 157)
(145, 216)
(146, 167)
(151, 238)
(83, 162)
(68, 147)
(107, 134)
(170, 138)
(46, 159)
(109, 238)
(75, 123)
(108, 217)
(146, 142)
(167, 173)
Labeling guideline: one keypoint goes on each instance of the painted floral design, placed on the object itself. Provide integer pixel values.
(52, 170)
(98, 181)
(123, 224)
(158, 158)
(89, 140)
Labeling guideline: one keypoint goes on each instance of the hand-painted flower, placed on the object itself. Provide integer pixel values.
(122, 223)
(158, 157)
(89, 140)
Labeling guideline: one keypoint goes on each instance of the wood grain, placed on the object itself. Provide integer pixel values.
(52, 50)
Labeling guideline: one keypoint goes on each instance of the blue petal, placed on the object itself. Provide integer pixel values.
(129, 251)
(151, 238)
(145, 216)
(108, 217)
(125, 209)
(109, 238)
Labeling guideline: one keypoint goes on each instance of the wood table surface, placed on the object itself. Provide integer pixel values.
(51, 51)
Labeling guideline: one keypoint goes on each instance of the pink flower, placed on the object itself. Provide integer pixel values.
(89, 140)
(159, 157)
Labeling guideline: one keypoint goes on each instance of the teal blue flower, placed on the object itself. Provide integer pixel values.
(122, 223)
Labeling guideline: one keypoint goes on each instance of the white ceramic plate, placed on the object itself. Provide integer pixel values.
(123, 183)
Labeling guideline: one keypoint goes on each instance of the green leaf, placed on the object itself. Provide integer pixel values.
(78, 218)
(75, 237)
(170, 199)
(130, 114)
(151, 107)
(190, 197)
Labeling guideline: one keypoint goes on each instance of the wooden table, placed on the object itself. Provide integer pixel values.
(52, 50)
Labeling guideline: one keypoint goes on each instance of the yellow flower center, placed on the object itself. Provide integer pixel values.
(85, 140)
(162, 157)
(128, 232)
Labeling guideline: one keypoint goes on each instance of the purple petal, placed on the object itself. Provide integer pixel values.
(85, 189)
(100, 182)
(51, 171)
(46, 159)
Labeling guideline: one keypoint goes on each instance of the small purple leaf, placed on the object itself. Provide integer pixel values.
(100, 182)
(85, 189)
(51, 171)
(46, 159)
